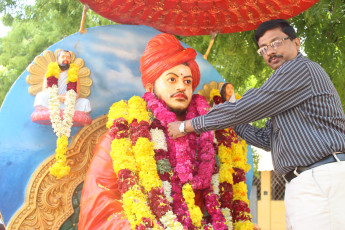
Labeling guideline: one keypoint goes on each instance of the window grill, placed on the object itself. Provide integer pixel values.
(257, 183)
(277, 186)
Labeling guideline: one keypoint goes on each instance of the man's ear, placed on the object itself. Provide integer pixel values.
(149, 87)
(298, 43)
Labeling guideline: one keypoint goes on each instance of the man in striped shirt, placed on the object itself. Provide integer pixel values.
(305, 132)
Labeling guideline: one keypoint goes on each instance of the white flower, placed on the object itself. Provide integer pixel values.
(169, 221)
(61, 127)
(228, 218)
(215, 183)
(167, 190)
(158, 139)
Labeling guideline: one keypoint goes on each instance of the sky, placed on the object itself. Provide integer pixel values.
(3, 30)
(265, 159)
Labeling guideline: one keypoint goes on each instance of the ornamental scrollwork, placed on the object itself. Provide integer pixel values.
(48, 201)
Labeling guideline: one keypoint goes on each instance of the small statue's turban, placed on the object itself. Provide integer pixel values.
(164, 52)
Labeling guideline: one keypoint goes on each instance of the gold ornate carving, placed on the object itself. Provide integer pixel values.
(206, 89)
(48, 202)
(39, 67)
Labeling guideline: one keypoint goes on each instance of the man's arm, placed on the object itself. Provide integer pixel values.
(259, 137)
(289, 86)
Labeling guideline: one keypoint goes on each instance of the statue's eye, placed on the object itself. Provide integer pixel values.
(188, 82)
(171, 79)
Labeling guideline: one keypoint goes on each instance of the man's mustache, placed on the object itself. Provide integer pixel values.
(274, 56)
(179, 92)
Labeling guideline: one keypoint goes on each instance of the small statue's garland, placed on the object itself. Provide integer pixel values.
(61, 127)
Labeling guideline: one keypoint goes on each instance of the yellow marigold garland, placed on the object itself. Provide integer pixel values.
(238, 96)
(144, 156)
(117, 110)
(138, 158)
(137, 110)
(121, 153)
(54, 70)
(214, 92)
(72, 74)
(225, 169)
(135, 207)
(194, 211)
(239, 153)
(60, 168)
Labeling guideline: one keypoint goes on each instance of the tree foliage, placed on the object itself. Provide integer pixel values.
(36, 27)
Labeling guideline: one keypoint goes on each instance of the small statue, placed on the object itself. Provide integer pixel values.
(59, 104)
(65, 75)
(227, 92)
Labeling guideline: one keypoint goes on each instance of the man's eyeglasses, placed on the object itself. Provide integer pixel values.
(263, 50)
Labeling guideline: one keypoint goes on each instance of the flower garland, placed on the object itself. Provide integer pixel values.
(54, 71)
(127, 164)
(61, 127)
(241, 211)
(135, 156)
(183, 161)
(233, 166)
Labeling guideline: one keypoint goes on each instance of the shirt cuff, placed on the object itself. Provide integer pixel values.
(198, 124)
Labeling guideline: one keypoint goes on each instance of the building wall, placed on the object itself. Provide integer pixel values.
(271, 213)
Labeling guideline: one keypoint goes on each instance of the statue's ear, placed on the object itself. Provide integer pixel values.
(149, 87)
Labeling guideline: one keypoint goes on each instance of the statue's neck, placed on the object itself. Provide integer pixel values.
(181, 117)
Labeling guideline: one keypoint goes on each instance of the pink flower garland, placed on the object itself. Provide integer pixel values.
(183, 149)
(182, 158)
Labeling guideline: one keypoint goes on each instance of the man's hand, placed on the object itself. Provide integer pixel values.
(174, 131)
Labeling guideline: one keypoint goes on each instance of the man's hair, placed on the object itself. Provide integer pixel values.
(63, 51)
(272, 24)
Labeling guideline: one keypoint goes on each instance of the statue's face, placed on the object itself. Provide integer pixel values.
(174, 87)
(64, 59)
(229, 90)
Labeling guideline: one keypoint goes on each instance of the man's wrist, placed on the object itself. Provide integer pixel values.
(188, 128)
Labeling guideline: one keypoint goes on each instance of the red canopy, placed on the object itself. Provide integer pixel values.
(198, 17)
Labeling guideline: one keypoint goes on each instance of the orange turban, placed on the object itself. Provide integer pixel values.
(164, 52)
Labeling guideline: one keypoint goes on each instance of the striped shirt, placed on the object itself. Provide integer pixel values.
(306, 124)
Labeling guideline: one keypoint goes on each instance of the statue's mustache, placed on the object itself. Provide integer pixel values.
(180, 92)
